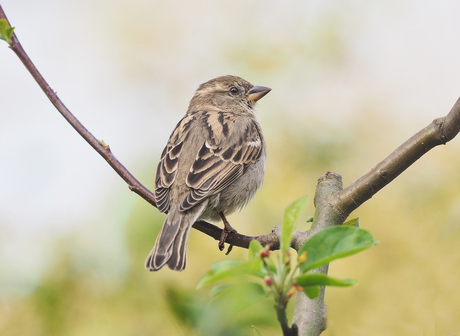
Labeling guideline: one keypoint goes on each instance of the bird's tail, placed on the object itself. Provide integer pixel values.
(171, 244)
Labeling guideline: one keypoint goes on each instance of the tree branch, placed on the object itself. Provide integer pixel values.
(333, 205)
(310, 315)
(237, 239)
(99, 146)
(439, 132)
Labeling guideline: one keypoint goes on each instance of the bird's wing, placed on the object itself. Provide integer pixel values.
(232, 145)
(169, 162)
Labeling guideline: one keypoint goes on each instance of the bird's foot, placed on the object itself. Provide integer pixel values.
(227, 229)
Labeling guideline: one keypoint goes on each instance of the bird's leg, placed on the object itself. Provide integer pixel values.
(227, 228)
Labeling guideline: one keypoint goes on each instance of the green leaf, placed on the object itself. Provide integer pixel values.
(313, 279)
(256, 331)
(334, 243)
(216, 290)
(246, 286)
(289, 220)
(254, 249)
(219, 268)
(5, 31)
(185, 305)
(311, 291)
(271, 264)
(230, 268)
(353, 222)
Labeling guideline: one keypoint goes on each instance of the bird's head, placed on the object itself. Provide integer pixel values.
(227, 93)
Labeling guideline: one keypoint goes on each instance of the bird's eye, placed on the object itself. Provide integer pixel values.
(234, 90)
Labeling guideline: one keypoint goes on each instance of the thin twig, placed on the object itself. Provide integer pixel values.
(99, 146)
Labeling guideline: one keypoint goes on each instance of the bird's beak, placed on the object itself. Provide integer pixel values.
(258, 92)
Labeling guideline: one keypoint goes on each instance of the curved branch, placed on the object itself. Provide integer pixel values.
(439, 132)
(99, 146)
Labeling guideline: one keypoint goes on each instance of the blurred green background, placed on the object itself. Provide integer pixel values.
(351, 81)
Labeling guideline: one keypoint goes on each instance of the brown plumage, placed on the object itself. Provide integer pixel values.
(213, 163)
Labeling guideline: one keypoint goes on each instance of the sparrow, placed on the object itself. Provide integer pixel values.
(212, 165)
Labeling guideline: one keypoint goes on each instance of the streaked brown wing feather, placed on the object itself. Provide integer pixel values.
(169, 162)
(222, 159)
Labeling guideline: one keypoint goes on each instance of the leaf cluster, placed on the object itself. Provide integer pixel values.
(5, 31)
(283, 277)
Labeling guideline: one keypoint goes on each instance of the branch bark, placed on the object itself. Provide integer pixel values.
(310, 315)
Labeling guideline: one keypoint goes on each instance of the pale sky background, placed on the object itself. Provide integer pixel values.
(127, 70)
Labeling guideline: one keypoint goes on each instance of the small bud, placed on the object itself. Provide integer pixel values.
(264, 253)
(103, 144)
(268, 281)
(297, 287)
(291, 292)
(303, 257)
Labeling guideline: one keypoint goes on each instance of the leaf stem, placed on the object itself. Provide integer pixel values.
(282, 318)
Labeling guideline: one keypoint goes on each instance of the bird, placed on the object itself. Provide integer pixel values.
(212, 165)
